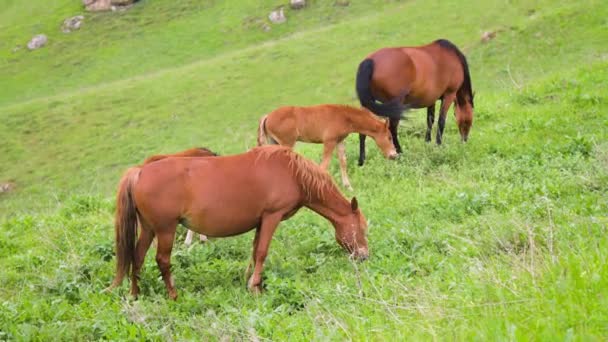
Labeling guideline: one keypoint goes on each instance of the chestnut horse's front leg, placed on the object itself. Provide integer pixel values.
(266, 230)
(342, 159)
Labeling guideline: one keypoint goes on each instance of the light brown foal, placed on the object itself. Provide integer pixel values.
(222, 197)
(327, 124)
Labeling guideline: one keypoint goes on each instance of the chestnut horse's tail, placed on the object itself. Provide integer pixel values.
(392, 108)
(262, 138)
(126, 225)
(466, 88)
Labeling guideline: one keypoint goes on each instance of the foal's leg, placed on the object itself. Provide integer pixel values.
(430, 119)
(328, 149)
(267, 228)
(189, 238)
(163, 259)
(342, 159)
(446, 101)
(361, 149)
(394, 124)
(256, 238)
(143, 243)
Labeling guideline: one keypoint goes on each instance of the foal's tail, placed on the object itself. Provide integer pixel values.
(262, 139)
(392, 108)
(125, 223)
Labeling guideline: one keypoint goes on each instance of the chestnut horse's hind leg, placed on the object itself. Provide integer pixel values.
(361, 149)
(163, 259)
(267, 228)
(430, 119)
(342, 159)
(446, 101)
(394, 124)
(143, 243)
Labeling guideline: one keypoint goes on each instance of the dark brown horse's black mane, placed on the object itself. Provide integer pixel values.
(466, 84)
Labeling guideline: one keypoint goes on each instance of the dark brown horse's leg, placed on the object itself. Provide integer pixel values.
(267, 228)
(394, 124)
(163, 259)
(143, 243)
(446, 101)
(361, 149)
(430, 119)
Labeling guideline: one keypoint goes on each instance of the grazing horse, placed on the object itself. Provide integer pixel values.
(416, 77)
(193, 152)
(222, 197)
(326, 124)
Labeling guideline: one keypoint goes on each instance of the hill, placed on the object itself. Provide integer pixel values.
(500, 238)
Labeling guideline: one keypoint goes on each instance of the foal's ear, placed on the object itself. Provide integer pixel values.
(354, 205)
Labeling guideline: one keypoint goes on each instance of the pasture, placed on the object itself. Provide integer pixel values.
(501, 238)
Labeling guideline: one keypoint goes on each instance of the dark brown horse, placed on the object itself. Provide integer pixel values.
(416, 77)
(192, 152)
(225, 196)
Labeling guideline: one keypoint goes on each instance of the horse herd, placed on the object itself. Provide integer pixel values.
(221, 196)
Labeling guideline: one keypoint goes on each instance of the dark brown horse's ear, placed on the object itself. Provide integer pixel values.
(354, 205)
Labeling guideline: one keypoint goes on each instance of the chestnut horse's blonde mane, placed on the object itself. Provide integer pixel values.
(313, 180)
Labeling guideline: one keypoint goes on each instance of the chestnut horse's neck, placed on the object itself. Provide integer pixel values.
(365, 122)
(331, 205)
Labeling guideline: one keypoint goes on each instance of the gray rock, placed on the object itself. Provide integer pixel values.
(107, 5)
(71, 24)
(37, 42)
(277, 16)
(97, 5)
(297, 4)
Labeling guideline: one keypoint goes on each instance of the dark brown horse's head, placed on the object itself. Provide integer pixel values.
(464, 116)
(352, 233)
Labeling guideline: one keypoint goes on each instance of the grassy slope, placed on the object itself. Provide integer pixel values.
(502, 238)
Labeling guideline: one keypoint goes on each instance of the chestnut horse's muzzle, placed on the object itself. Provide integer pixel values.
(361, 254)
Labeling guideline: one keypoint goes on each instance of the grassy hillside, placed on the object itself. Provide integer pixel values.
(501, 238)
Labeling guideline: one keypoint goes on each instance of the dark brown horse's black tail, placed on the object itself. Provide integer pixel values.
(392, 109)
(126, 226)
(466, 88)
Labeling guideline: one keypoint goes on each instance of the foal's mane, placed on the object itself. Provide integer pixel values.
(466, 84)
(313, 180)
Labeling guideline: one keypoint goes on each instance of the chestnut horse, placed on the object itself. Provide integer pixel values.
(221, 197)
(193, 152)
(416, 77)
(327, 124)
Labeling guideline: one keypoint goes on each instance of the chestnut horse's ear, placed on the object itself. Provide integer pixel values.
(354, 205)
(387, 122)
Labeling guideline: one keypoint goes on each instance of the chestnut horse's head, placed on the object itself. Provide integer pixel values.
(384, 140)
(351, 233)
(464, 116)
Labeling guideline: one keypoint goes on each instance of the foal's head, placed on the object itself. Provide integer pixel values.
(351, 234)
(464, 116)
(384, 140)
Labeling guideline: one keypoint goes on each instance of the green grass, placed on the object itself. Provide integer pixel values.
(502, 238)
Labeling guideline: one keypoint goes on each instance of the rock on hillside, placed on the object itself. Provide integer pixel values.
(37, 42)
(105, 5)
